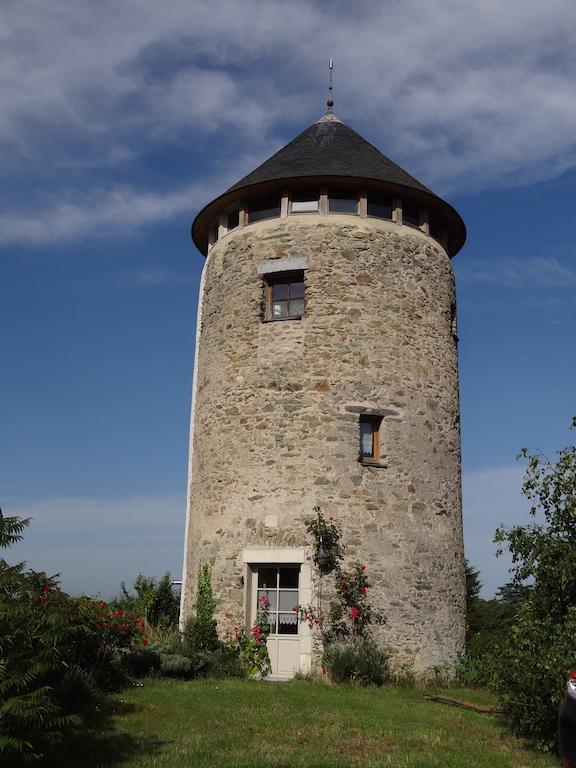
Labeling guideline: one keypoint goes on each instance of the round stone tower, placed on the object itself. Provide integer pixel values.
(326, 375)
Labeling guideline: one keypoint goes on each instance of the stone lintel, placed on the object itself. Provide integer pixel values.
(274, 555)
(287, 264)
(383, 412)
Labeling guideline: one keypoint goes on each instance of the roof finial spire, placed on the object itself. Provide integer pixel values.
(330, 102)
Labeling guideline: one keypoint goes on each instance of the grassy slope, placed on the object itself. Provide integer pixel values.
(236, 724)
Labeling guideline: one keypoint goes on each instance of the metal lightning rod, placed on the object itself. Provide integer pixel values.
(330, 102)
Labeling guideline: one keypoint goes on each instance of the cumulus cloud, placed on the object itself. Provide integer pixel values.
(475, 93)
(98, 211)
(95, 544)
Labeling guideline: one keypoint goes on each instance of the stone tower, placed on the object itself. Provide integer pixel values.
(326, 374)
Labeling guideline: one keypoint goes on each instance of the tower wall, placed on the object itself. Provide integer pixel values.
(276, 420)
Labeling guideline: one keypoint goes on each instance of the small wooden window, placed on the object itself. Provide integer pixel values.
(284, 294)
(370, 438)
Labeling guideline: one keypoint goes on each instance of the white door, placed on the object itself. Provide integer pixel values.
(280, 584)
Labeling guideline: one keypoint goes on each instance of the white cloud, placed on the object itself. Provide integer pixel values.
(539, 271)
(491, 497)
(95, 544)
(98, 212)
(465, 94)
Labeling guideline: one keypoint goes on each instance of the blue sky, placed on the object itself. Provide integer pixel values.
(120, 120)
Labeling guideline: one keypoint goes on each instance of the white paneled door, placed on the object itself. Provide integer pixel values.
(277, 589)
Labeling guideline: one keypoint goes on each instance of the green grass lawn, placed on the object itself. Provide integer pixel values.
(240, 724)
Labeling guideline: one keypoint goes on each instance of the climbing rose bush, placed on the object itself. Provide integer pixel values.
(349, 614)
(251, 648)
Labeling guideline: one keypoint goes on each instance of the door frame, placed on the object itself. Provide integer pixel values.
(254, 558)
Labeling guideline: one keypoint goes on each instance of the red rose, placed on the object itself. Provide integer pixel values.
(363, 590)
(355, 613)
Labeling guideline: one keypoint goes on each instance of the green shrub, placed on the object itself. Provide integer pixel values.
(175, 665)
(360, 660)
(200, 630)
(57, 653)
(141, 663)
(478, 666)
(533, 666)
(153, 599)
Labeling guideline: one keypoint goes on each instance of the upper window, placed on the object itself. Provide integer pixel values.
(380, 208)
(284, 296)
(258, 210)
(435, 228)
(304, 203)
(410, 215)
(345, 203)
(233, 219)
(370, 438)
(213, 235)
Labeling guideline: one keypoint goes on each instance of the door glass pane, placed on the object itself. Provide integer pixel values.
(289, 577)
(287, 624)
(288, 599)
(271, 595)
(267, 577)
(280, 291)
(272, 619)
(366, 439)
(280, 309)
(297, 307)
(296, 290)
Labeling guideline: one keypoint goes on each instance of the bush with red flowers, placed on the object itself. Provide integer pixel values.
(251, 648)
(350, 613)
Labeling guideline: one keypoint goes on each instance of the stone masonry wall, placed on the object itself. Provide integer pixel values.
(276, 420)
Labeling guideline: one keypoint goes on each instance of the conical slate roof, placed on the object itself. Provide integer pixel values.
(329, 148)
(331, 154)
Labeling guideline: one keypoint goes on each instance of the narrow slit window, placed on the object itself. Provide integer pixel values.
(370, 438)
(284, 296)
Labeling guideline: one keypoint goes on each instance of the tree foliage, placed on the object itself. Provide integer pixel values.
(153, 599)
(57, 653)
(200, 633)
(541, 649)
